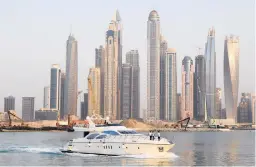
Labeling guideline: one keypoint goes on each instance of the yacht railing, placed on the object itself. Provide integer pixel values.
(133, 138)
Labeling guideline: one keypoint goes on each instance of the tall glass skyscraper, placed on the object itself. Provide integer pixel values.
(132, 58)
(153, 65)
(55, 89)
(199, 88)
(231, 75)
(63, 78)
(126, 98)
(70, 92)
(94, 92)
(210, 59)
(187, 95)
(170, 80)
(113, 68)
(163, 49)
(47, 97)
(99, 63)
(9, 103)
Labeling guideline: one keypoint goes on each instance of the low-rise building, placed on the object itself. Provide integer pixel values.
(229, 121)
(46, 114)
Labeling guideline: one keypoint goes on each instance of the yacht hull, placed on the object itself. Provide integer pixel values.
(117, 149)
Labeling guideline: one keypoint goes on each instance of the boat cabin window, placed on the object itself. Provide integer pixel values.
(101, 137)
(108, 125)
(127, 132)
(92, 136)
(110, 132)
(114, 125)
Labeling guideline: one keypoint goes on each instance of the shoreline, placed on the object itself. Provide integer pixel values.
(141, 130)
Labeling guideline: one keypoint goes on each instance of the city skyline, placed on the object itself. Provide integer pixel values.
(179, 55)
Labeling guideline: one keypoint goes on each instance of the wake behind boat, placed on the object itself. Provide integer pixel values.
(116, 140)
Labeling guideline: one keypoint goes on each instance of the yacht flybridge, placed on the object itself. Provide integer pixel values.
(116, 140)
(90, 126)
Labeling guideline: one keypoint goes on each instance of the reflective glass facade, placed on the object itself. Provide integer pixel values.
(70, 92)
(199, 88)
(210, 59)
(187, 88)
(153, 65)
(170, 86)
(113, 68)
(55, 87)
(231, 75)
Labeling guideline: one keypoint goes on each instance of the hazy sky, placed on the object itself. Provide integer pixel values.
(33, 36)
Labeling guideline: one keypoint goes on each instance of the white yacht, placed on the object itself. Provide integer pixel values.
(116, 140)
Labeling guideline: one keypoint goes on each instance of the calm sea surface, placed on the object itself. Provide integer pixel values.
(192, 148)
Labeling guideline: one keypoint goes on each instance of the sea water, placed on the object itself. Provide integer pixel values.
(191, 148)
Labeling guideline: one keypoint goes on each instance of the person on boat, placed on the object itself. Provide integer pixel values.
(158, 134)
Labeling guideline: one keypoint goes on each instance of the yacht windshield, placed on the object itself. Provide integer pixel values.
(92, 136)
(110, 132)
(101, 137)
(127, 132)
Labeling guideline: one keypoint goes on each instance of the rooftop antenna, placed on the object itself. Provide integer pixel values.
(199, 50)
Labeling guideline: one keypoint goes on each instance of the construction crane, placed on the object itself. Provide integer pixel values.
(92, 93)
(11, 113)
(180, 121)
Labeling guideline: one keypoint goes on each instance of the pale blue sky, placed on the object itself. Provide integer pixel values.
(33, 36)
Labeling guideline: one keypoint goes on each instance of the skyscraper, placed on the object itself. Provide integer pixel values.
(112, 68)
(94, 91)
(199, 88)
(231, 75)
(55, 87)
(126, 98)
(218, 113)
(187, 88)
(62, 90)
(210, 59)
(9, 103)
(153, 65)
(84, 108)
(178, 105)
(99, 63)
(170, 80)
(28, 111)
(244, 109)
(132, 58)
(70, 92)
(163, 49)
(46, 97)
